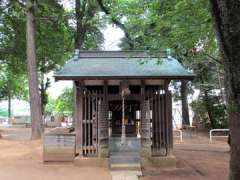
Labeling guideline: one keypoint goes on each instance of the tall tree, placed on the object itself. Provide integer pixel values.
(226, 18)
(88, 24)
(54, 41)
(35, 102)
(12, 52)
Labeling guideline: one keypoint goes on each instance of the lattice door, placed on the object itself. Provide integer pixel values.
(90, 111)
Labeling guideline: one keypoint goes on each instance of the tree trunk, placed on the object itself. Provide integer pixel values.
(209, 109)
(43, 103)
(81, 29)
(226, 18)
(9, 107)
(42, 93)
(35, 104)
(185, 110)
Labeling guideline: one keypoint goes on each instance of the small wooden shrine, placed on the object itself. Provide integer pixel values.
(122, 97)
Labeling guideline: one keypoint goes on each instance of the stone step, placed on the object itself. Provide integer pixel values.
(135, 173)
(125, 167)
(125, 154)
(124, 160)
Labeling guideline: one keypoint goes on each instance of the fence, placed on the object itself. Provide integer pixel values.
(211, 135)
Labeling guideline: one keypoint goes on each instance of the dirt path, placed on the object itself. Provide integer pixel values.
(21, 159)
(197, 159)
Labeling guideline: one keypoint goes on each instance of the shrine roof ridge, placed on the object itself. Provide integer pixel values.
(121, 54)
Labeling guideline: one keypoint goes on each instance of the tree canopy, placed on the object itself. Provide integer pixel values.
(186, 28)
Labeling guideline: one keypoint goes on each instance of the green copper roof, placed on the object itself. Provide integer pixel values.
(121, 64)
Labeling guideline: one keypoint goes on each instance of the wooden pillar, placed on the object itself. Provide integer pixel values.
(145, 124)
(78, 116)
(142, 91)
(105, 90)
(103, 125)
(168, 119)
(74, 103)
(170, 147)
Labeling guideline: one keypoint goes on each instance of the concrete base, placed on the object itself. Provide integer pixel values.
(58, 146)
(91, 162)
(146, 152)
(159, 161)
(103, 153)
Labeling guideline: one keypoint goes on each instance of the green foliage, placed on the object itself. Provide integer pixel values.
(50, 106)
(13, 86)
(217, 109)
(55, 31)
(53, 37)
(63, 104)
(12, 51)
(88, 35)
(184, 26)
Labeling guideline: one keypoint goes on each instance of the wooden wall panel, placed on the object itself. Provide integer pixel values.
(161, 107)
(145, 128)
(103, 126)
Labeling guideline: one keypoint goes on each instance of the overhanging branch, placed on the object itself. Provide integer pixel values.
(213, 58)
(117, 23)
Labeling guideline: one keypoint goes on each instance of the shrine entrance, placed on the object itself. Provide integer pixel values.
(124, 149)
(131, 119)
